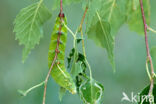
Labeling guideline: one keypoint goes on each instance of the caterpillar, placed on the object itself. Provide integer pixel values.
(59, 73)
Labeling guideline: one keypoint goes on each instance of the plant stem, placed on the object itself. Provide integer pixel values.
(82, 20)
(24, 93)
(61, 7)
(83, 46)
(61, 15)
(47, 77)
(80, 28)
(147, 70)
(147, 48)
(151, 29)
(74, 35)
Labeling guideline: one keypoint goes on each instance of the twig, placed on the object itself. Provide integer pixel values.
(46, 80)
(147, 48)
(147, 70)
(83, 46)
(74, 36)
(24, 93)
(151, 29)
(82, 20)
(61, 7)
(80, 29)
(61, 15)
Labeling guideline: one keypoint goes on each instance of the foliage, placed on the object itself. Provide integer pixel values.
(144, 92)
(103, 20)
(91, 92)
(134, 20)
(28, 26)
(100, 33)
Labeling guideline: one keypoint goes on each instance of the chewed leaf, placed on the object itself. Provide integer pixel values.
(145, 98)
(77, 66)
(91, 92)
(28, 26)
(59, 72)
(77, 69)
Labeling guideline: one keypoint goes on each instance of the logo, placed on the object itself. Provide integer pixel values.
(137, 98)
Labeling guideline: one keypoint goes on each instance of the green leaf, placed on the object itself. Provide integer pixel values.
(73, 69)
(100, 33)
(111, 12)
(145, 93)
(93, 6)
(62, 92)
(79, 40)
(134, 20)
(153, 55)
(70, 58)
(76, 63)
(28, 26)
(91, 92)
(77, 69)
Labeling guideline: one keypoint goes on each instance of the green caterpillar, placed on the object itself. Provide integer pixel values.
(59, 73)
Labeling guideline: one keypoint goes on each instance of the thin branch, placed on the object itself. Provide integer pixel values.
(83, 45)
(46, 80)
(61, 16)
(151, 29)
(74, 35)
(80, 29)
(61, 7)
(70, 31)
(24, 93)
(82, 20)
(147, 48)
(147, 70)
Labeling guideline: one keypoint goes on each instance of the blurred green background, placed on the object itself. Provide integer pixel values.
(130, 59)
